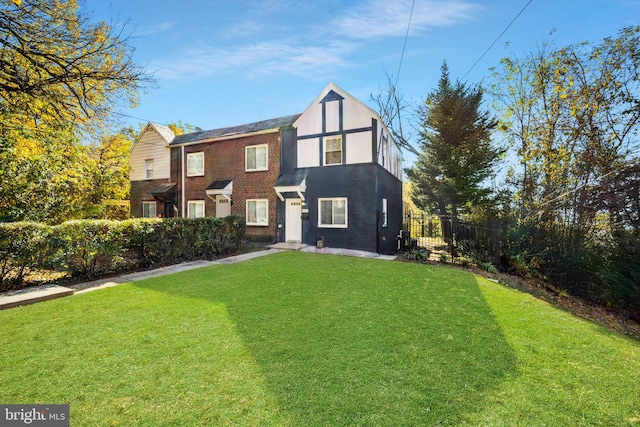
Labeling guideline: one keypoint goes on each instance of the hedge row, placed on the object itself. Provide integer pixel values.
(94, 248)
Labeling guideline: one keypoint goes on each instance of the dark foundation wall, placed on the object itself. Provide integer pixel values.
(390, 188)
(364, 186)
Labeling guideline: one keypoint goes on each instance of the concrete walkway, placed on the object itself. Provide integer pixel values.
(332, 251)
(32, 295)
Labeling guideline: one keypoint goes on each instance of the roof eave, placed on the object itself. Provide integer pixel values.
(226, 137)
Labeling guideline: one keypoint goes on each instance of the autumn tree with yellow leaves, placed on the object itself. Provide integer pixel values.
(573, 116)
(62, 76)
(57, 65)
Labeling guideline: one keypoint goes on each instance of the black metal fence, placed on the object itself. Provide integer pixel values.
(447, 238)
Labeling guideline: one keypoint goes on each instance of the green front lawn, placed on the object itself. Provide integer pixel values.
(304, 339)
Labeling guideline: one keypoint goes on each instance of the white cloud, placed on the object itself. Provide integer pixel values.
(314, 47)
(390, 18)
(258, 59)
(158, 28)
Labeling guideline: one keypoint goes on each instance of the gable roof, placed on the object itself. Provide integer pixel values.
(232, 131)
(165, 133)
(333, 92)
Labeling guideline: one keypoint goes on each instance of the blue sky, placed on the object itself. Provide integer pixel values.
(228, 62)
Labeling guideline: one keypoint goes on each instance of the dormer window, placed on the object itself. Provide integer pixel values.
(333, 150)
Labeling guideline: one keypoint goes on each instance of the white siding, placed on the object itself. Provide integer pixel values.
(359, 148)
(308, 152)
(150, 145)
(356, 115)
(392, 159)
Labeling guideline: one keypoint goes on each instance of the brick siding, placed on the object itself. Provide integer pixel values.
(225, 160)
(141, 192)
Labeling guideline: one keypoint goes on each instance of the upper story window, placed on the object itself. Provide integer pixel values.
(333, 150)
(148, 169)
(195, 209)
(148, 209)
(256, 157)
(385, 147)
(195, 164)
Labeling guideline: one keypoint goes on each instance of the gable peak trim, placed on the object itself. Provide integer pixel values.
(332, 95)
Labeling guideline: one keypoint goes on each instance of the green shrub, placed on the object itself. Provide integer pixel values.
(87, 247)
(418, 254)
(93, 248)
(488, 267)
(23, 245)
(465, 262)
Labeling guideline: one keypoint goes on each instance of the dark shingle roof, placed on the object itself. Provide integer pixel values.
(276, 123)
(218, 185)
(291, 179)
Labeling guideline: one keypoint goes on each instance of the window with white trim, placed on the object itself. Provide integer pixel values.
(148, 169)
(385, 147)
(195, 209)
(257, 212)
(256, 157)
(333, 150)
(195, 164)
(332, 212)
(384, 212)
(148, 209)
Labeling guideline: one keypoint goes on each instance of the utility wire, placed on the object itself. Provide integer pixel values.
(138, 118)
(404, 46)
(497, 38)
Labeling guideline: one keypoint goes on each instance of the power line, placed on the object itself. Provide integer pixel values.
(138, 118)
(404, 46)
(497, 38)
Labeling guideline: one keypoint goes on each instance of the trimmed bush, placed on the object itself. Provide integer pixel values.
(94, 248)
(23, 245)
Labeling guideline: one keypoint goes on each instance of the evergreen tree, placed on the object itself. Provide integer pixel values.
(457, 154)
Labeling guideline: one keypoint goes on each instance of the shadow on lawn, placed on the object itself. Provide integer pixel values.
(346, 341)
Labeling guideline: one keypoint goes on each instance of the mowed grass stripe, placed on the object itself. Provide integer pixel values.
(308, 339)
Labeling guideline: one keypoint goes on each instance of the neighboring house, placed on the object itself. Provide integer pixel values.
(225, 171)
(332, 173)
(153, 193)
(341, 178)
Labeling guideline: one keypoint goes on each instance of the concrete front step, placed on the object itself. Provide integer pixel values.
(33, 295)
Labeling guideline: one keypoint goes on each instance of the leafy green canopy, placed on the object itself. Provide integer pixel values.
(573, 114)
(457, 153)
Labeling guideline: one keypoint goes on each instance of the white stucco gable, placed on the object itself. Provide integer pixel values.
(336, 113)
(151, 149)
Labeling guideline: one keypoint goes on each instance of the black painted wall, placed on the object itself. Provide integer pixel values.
(364, 185)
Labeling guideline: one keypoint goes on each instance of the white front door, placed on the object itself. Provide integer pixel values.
(223, 207)
(293, 220)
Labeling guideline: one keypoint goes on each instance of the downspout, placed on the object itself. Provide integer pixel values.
(183, 183)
